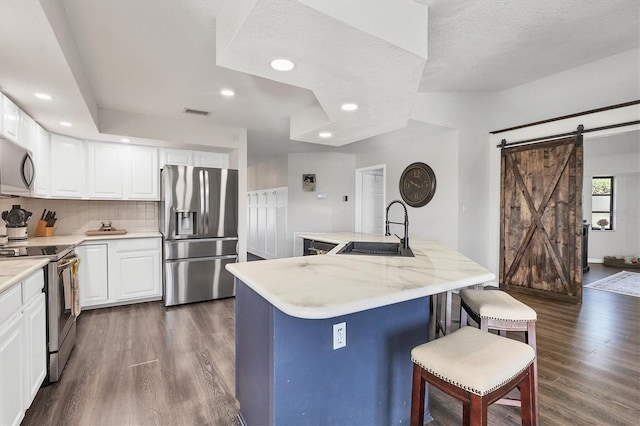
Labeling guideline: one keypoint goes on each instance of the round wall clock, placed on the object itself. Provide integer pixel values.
(417, 184)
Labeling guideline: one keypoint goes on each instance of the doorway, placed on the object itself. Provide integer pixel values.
(370, 199)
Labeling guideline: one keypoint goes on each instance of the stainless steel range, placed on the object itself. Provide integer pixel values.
(61, 319)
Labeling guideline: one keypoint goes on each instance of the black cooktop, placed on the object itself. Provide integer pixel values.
(54, 252)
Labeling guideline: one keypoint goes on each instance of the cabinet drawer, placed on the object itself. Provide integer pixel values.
(135, 244)
(32, 286)
(10, 303)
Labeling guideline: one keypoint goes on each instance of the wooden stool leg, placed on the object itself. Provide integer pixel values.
(528, 397)
(478, 409)
(417, 397)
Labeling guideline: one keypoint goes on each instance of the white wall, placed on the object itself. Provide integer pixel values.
(335, 177)
(606, 82)
(271, 173)
(433, 145)
(618, 156)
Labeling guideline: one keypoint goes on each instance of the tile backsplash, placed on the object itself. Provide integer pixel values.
(78, 216)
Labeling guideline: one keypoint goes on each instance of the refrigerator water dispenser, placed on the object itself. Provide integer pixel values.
(186, 222)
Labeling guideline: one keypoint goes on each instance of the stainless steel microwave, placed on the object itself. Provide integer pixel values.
(17, 170)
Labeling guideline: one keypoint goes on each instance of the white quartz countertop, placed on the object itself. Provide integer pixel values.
(331, 285)
(15, 270)
(12, 271)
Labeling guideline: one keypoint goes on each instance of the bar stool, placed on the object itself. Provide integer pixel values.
(440, 301)
(497, 310)
(477, 368)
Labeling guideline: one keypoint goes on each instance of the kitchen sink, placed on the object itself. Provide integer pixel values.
(371, 248)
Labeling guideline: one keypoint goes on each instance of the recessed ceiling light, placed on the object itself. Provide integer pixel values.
(325, 135)
(43, 96)
(282, 64)
(125, 140)
(349, 107)
(65, 124)
(227, 92)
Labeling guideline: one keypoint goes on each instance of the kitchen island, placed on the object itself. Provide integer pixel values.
(287, 372)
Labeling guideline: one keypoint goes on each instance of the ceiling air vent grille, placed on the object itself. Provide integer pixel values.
(196, 112)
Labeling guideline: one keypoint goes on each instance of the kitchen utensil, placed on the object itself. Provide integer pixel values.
(16, 217)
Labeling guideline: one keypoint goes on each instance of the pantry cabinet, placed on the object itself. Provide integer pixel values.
(267, 222)
(22, 347)
(67, 167)
(120, 271)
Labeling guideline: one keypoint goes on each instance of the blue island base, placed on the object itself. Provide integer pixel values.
(287, 372)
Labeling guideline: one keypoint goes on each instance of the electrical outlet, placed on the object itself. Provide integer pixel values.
(339, 335)
(118, 214)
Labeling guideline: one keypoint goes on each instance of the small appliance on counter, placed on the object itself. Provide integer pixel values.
(16, 222)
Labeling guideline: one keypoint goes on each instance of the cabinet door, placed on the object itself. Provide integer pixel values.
(27, 132)
(10, 119)
(271, 232)
(104, 173)
(179, 157)
(281, 231)
(67, 167)
(210, 159)
(11, 372)
(143, 174)
(35, 341)
(41, 154)
(93, 275)
(134, 269)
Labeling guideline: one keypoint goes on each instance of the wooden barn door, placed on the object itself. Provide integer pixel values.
(541, 219)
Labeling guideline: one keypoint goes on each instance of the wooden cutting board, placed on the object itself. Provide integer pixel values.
(99, 232)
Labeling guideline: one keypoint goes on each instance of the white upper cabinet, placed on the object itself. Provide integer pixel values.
(142, 179)
(178, 157)
(210, 159)
(10, 119)
(27, 132)
(41, 157)
(185, 157)
(104, 170)
(67, 167)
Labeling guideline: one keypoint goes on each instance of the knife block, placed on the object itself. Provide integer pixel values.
(42, 230)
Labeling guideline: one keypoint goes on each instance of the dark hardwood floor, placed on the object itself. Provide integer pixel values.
(147, 364)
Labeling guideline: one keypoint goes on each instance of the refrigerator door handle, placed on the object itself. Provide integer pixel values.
(202, 259)
(203, 201)
(207, 201)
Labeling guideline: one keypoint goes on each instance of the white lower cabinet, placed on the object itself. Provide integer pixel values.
(93, 274)
(117, 272)
(23, 346)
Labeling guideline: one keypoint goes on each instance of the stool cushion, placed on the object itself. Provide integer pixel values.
(498, 305)
(473, 360)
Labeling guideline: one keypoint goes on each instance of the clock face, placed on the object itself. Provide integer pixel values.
(417, 184)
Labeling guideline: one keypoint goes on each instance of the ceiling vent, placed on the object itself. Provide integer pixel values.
(197, 112)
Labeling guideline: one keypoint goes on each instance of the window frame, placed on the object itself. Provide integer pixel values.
(595, 226)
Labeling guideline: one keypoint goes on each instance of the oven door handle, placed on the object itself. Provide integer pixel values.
(67, 264)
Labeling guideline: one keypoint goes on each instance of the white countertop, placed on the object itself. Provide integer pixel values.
(12, 271)
(15, 270)
(327, 286)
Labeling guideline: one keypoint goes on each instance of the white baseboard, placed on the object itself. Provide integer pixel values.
(601, 260)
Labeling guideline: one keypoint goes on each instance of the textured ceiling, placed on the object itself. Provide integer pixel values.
(144, 61)
(344, 53)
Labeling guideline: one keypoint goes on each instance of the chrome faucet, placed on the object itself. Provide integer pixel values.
(405, 240)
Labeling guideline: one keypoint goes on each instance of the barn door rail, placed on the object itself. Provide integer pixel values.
(580, 130)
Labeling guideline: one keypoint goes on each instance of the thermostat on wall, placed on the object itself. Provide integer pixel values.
(321, 195)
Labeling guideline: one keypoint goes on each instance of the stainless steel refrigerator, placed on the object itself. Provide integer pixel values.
(199, 222)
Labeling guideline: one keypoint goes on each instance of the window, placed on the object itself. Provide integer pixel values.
(602, 202)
